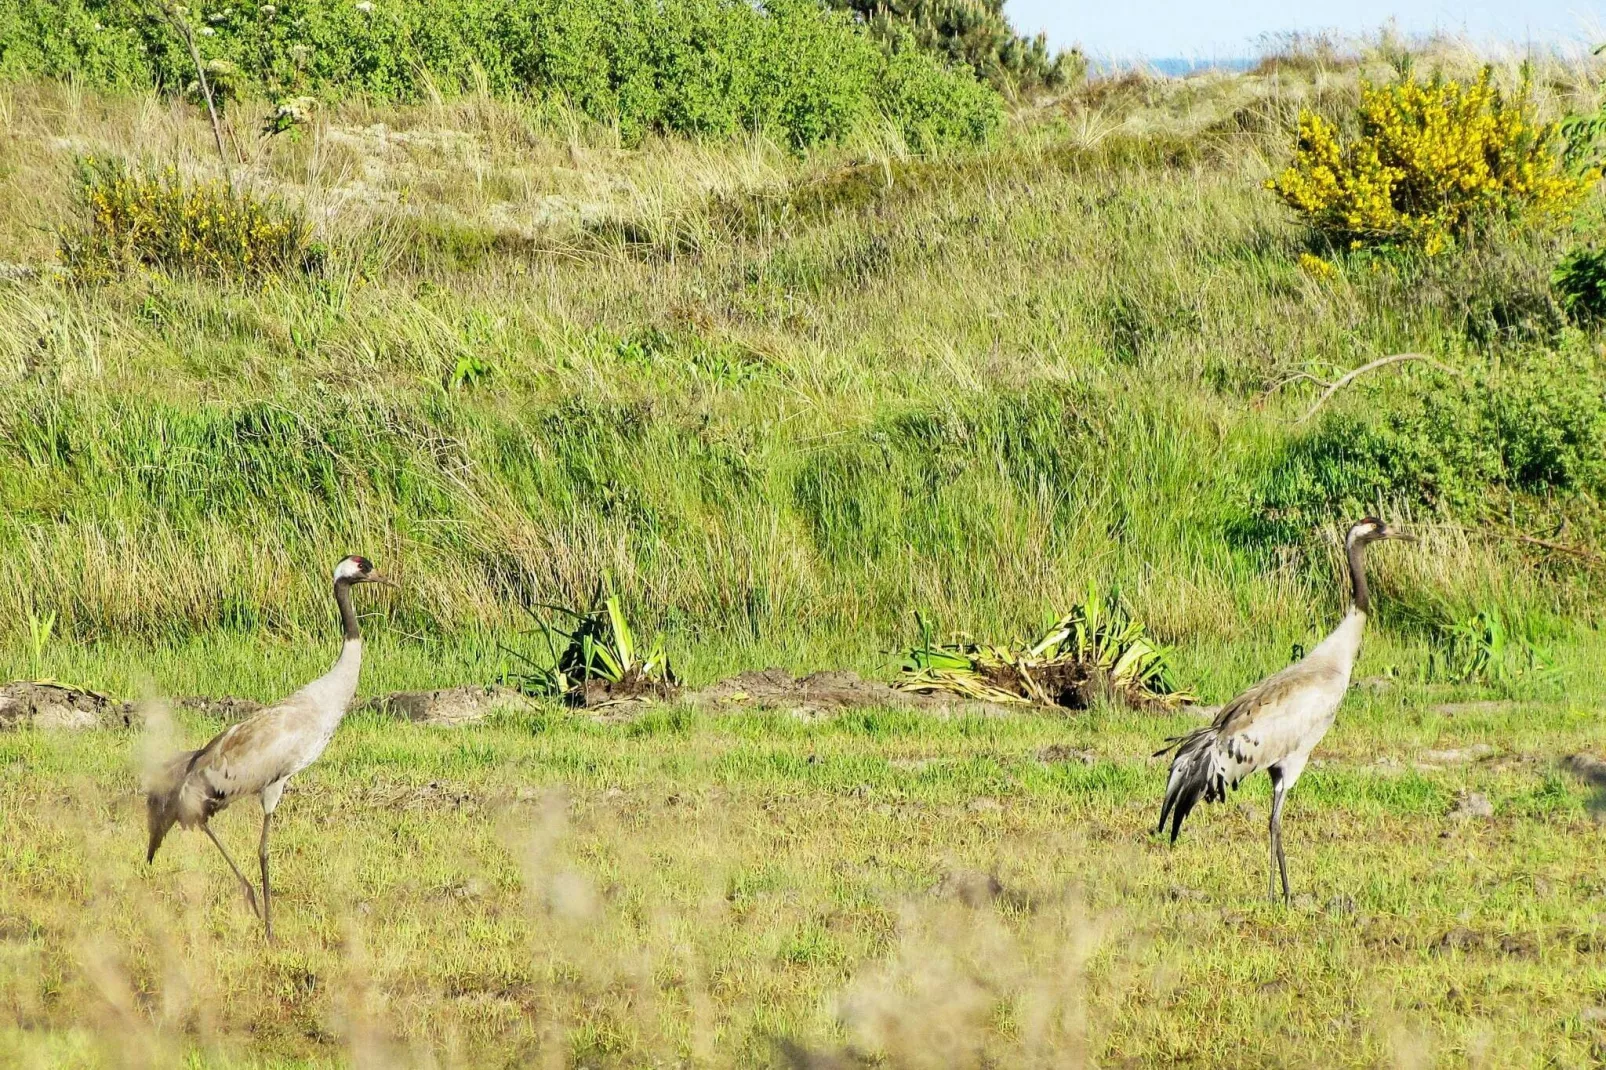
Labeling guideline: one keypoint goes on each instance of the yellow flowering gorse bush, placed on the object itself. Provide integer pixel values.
(159, 220)
(1431, 161)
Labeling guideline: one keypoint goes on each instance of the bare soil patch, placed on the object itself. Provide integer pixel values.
(445, 706)
(47, 705)
(633, 687)
(435, 795)
(821, 692)
(1587, 768)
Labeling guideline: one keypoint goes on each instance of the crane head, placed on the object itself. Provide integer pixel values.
(1371, 529)
(355, 569)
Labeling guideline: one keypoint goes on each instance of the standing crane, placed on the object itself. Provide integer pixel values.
(1277, 723)
(257, 755)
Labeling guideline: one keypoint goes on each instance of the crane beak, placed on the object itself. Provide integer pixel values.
(383, 581)
(1403, 536)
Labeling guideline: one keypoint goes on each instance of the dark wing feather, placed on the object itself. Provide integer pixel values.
(1209, 760)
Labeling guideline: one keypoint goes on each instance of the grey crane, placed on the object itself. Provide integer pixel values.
(1277, 723)
(258, 755)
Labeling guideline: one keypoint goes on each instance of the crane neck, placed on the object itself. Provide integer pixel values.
(1361, 599)
(348, 615)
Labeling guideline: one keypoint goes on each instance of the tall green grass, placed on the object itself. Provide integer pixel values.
(784, 402)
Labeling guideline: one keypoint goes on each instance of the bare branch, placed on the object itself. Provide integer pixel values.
(1575, 551)
(1297, 377)
(182, 28)
(1380, 362)
(1578, 552)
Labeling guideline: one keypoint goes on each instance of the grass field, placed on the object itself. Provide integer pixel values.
(700, 889)
(785, 402)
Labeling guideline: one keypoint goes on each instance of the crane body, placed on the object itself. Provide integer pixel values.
(258, 755)
(1276, 724)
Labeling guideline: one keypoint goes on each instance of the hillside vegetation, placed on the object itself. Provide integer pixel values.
(976, 33)
(790, 68)
(784, 402)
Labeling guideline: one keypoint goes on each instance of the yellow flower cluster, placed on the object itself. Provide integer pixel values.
(159, 220)
(1431, 161)
(1316, 267)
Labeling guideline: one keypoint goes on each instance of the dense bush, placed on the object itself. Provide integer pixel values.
(1430, 163)
(130, 219)
(1580, 282)
(708, 67)
(1533, 426)
(973, 32)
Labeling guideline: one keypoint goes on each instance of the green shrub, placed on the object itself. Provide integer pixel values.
(1535, 426)
(159, 220)
(703, 67)
(1580, 282)
(931, 106)
(971, 32)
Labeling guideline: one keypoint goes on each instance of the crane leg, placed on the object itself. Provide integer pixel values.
(1279, 790)
(267, 893)
(250, 893)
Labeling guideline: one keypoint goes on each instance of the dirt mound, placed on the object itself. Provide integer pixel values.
(226, 708)
(818, 693)
(1587, 768)
(633, 687)
(45, 705)
(1068, 684)
(447, 706)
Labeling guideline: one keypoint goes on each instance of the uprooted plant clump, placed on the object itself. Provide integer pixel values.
(1095, 651)
(599, 663)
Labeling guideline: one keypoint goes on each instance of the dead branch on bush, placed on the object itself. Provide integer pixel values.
(170, 13)
(1587, 556)
(1346, 379)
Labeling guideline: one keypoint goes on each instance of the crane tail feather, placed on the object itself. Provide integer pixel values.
(162, 799)
(1192, 775)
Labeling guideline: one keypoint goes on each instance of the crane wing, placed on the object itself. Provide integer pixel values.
(243, 759)
(1282, 714)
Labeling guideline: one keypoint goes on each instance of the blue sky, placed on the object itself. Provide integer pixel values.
(1125, 29)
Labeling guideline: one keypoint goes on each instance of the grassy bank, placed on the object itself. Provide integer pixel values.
(783, 402)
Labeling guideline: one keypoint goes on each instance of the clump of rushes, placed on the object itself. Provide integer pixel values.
(1485, 649)
(157, 219)
(1095, 650)
(1431, 161)
(1580, 282)
(599, 664)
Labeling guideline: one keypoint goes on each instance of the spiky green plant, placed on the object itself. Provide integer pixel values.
(1097, 645)
(40, 629)
(1484, 648)
(959, 666)
(1100, 634)
(600, 646)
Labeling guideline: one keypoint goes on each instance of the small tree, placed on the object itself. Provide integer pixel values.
(1430, 163)
(975, 33)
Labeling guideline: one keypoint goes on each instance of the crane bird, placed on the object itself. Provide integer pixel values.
(1277, 723)
(257, 755)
